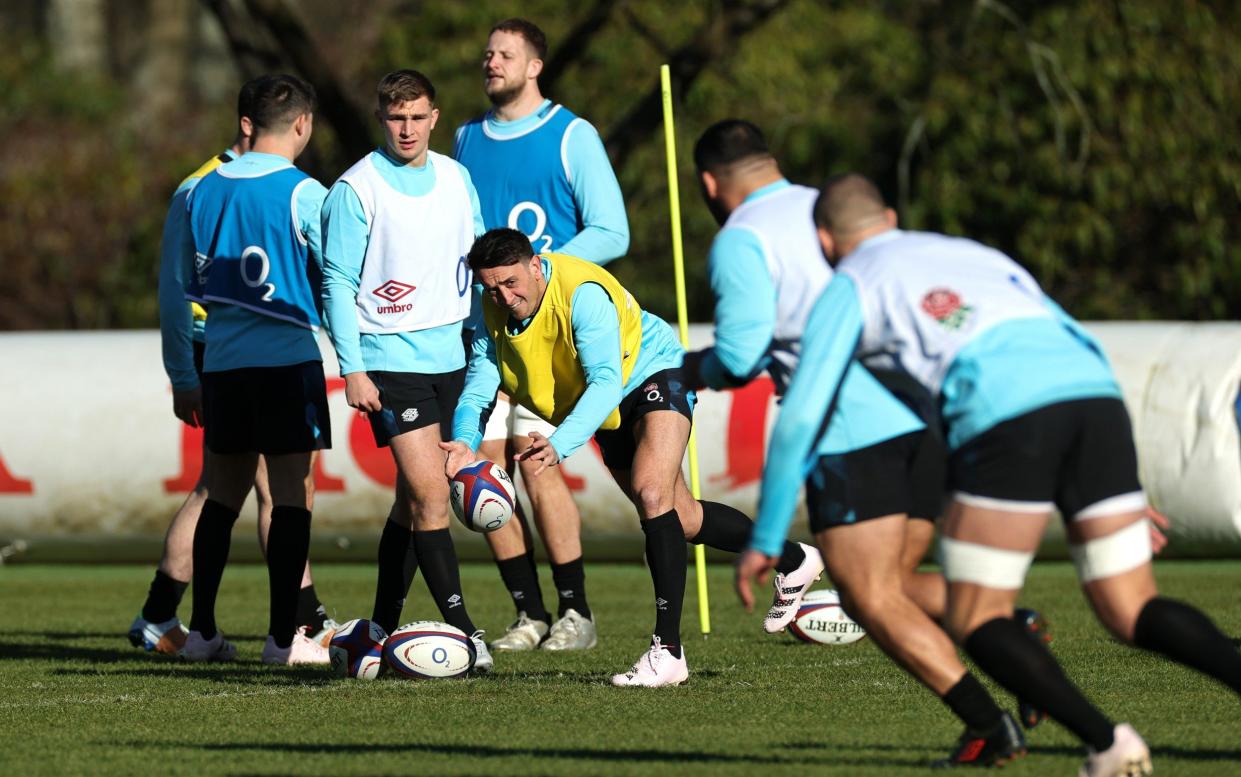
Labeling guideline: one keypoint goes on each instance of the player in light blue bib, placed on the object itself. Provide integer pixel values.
(542, 170)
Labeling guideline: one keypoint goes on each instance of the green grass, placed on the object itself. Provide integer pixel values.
(76, 699)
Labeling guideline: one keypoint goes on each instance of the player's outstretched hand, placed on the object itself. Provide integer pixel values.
(458, 455)
(540, 451)
(1159, 524)
(188, 406)
(752, 566)
(361, 393)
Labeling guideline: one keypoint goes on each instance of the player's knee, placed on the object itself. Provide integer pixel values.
(651, 497)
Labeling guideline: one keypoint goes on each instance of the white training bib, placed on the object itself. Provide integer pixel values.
(924, 296)
(783, 222)
(414, 275)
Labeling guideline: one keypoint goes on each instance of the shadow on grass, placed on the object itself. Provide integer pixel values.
(221, 673)
(479, 751)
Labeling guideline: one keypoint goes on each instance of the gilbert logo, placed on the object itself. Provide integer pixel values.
(393, 291)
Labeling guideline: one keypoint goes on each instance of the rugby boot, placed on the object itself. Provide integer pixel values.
(1127, 757)
(656, 668)
(323, 636)
(993, 748)
(572, 632)
(1036, 625)
(167, 637)
(524, 634)
(790, 588)
(483, 662)
(197, 649)
(302, 650)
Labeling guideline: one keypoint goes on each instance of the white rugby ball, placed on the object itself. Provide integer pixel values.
(821, 620)
(356, 649)
(428, 650)
(482, 496)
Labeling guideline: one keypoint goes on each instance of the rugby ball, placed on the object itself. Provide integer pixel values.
(483, 496)
(356, 649)
(821, 620)
(428, 650)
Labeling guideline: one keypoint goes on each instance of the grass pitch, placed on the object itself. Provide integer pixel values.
(75, 698)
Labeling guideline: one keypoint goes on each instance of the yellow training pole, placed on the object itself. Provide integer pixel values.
(678, 264)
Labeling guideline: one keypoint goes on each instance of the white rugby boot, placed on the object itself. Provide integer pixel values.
(656, 668)
(1127, 757)
(302, 650)
(197, 649)
(524, 634)
(323, 637)
(572, 632)
(167, 637)
(790, 588)
(483, 662)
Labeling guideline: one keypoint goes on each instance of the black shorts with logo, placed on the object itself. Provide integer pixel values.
(412, 400)
(664, 390)
(1073, 454)
(902, 475)
(268, 410)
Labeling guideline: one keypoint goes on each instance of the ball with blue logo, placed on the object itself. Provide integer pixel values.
(356, 649)
(483, 496)
(428, 650)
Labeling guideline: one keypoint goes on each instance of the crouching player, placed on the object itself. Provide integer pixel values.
(254, 250)
(1034, 421)
(567, 341)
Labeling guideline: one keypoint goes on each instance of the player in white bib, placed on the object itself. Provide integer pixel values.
(1034, 421)
(397, 227)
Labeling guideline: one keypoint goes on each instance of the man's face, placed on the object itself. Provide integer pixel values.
(407, 129)
(518, 288)
(508, 63)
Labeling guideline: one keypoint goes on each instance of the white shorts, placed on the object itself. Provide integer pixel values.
(512, 420)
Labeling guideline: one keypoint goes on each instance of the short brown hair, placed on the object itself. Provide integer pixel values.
(526, 29)
(275, 102)
(404, 86)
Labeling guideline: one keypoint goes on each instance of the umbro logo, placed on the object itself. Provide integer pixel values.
(393, 290)
(567, 593)
(661, 603)
(410, 415)
(454, 601)
(517, 595)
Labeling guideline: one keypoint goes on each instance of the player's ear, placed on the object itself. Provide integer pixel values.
(246, 127)
(889, 216)
(435, 116)
(826, 243)
(534, 68)
(710, 185)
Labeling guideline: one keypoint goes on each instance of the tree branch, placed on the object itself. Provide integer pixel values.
(575, 43)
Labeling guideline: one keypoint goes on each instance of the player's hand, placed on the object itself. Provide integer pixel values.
(188, 406)
(361, 393)
(1159, 524)
(458, 455)
(752, 566)
(541, 451)
(691, 369)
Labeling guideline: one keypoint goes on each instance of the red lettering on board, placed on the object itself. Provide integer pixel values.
(747, 434)
(11, 484)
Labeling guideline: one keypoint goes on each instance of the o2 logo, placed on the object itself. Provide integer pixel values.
(439, 655)
(540, 224)
(463, 277)
(259, 281)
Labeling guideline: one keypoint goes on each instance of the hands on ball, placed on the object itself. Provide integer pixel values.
(458, 455)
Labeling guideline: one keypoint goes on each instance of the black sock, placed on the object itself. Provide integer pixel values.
(1004, 650)
(212, 537)
(667, 557)
(521, 578)
(727, 528)
(439, 567)
(570, 580)
(310, 611)
(1187, 636)
(397, 565)
(288, 544)
(163, 598)
(970, 702)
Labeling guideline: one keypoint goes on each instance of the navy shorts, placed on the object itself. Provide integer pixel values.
(902, 475)
(412, 400)
(665, 390)
(268, 410)
(1073, 455)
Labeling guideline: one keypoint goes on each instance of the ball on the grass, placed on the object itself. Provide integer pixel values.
(356, 649)
(483, 496)
(428, 650)
(822, 621)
